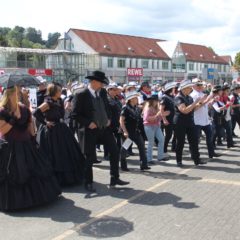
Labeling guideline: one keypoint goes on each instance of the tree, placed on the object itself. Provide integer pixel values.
(3, 41)
(211, 48)
(38, 45)
(3, 33)
(33, 35)
(4, 30)
(26, 37)
(26, 43)
(237, 61)
(52, 39)
(15, 37)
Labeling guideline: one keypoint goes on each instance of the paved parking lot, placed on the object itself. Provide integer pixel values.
(167, 202)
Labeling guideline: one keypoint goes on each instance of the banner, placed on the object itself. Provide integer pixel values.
(135, 72)
(40, 72)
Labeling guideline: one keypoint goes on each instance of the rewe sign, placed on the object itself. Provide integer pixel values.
(40, 72)
(136, 72)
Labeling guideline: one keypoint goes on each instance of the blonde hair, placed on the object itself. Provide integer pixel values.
(5, 100)
(52, 89)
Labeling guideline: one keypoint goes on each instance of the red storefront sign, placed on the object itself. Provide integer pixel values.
(40, 72)
(135, 72)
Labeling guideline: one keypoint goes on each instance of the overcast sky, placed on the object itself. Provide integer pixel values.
(214, 23)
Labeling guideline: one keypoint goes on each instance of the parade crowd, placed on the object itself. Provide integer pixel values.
(56, 144)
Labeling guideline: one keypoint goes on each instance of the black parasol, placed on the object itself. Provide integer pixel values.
(9, 80)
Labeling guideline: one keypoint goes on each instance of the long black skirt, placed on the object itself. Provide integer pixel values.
(26, 178)
(59, 145)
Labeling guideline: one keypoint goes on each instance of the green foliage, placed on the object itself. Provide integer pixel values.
(15, 36)
(211, 48)
(26, 43)
(3, 41)
(33, 35)
(26, 38)
(237, 61)
(3, 33)
(52, 39)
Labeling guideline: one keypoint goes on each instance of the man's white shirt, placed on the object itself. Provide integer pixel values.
(201, 116)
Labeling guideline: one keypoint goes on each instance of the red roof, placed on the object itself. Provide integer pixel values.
(200, 53)
(227, 58)
(121, 45)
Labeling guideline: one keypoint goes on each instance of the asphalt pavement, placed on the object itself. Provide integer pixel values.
(167, 202)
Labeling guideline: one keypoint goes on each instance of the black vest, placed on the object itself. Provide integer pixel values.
(99, 115)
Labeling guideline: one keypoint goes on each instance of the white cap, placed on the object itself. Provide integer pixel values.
(197, 81)
(169, 86)
(112, 85)
(131, 94)
(131, 84)
(41, 79)
(185, 84)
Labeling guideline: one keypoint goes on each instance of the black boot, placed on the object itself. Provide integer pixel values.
(117, 181)
(144, 167)
(89, 187)
(124, 165)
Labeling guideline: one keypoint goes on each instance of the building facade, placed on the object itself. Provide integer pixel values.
(118, 53)
(198, 61)
(122, 57)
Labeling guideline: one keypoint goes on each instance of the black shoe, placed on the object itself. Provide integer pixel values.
(179, 164)
(163, 159)
(97, 161)
(145, 168)
(89, 187)
(117, 181)
(215, 155)
(151, 163)
(202, 162)
(220, 144)
(125, 169)
(196, 161)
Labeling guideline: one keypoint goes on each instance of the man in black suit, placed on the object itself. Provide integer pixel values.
(91, 111)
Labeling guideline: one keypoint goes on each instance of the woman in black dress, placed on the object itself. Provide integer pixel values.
(57, 141)
(26, 179)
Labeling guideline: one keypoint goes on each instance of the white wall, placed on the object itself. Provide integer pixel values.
(79, 45)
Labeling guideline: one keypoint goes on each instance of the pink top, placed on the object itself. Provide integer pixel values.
(150, 112)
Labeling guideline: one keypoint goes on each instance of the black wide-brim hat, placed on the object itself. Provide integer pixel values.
(99, 76)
